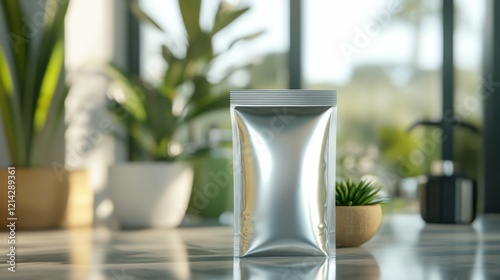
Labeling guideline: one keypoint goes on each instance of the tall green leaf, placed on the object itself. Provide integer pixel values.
(38, 62)
(49, 112)
(11, 121)
(18, 33)
(33, 93)
(49, 85)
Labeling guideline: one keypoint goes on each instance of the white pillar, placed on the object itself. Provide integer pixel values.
(95, 34)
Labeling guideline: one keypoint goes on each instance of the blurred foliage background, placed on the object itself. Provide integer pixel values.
(385, 85)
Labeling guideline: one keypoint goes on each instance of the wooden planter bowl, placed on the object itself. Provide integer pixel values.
(48, 198)
(355, 225)
(41, 197)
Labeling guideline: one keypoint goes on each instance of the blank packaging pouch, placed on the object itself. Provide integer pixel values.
(284, 172)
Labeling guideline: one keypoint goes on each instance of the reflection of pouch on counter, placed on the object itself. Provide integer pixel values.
(284, 172)
(290, 268)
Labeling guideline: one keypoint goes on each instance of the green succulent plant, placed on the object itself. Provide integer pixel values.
(358, 193)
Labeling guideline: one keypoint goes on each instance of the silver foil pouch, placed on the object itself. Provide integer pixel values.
(284, 172)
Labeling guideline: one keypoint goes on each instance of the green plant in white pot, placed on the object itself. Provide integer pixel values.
(154, 189)
(32, 94)
(358, 212)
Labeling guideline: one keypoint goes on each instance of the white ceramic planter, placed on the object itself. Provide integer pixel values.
(150, 194)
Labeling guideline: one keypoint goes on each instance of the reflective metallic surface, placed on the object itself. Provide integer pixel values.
(404, 248)
(284, 176)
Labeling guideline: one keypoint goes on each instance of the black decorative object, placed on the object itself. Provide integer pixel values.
(447, 196)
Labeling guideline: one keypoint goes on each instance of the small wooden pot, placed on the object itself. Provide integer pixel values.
(41, 197)
(48, 198)
(355, 225)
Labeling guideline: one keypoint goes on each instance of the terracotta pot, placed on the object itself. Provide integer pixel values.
(355, 225)
(41, 197)
(150, 194)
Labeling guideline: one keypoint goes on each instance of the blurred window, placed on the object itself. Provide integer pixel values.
(384, 57)
(265, 56)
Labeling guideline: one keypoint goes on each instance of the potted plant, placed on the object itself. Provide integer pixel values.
(358, 212)
(154, 189)
(32, 94)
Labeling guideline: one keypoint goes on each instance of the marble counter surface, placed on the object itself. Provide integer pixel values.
(404, 248)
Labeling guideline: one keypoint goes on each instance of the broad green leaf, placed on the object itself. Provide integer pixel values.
(201, 89)
(167, 54)
(140, 140)
(207, 104)
(226, 14)
(200, 48)
(248, 37)
(133, 94)
(190, 11)
(174, 76)
(143, 137)
(142, 16)
(159, 118)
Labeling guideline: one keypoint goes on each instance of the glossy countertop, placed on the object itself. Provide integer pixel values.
(404, 248)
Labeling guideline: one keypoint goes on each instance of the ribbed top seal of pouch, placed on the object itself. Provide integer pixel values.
(287, 97)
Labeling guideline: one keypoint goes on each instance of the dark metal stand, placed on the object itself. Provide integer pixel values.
(491, 110)
(447, 82)
(447, 196)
